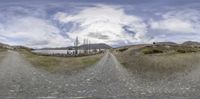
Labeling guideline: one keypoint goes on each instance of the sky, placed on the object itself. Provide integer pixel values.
(56, 23)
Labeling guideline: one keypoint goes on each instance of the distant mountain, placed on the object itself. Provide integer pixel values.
(95, 46)
(56, 48)
(21, 47)
(2, 45)
(165, 43)
(191, 43)
(6, 46)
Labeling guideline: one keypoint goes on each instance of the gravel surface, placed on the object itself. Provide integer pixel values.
(106, 79)
(18, 78)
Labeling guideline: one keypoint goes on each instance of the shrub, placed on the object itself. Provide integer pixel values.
(180, 51)
(122, 49)
(185, 50)
(151, 51)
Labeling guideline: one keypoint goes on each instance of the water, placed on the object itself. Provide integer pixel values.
(53, 51)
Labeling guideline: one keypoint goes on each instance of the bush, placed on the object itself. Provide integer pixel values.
(122, 49)
(185, 51)
(180, 51)
(151, 51)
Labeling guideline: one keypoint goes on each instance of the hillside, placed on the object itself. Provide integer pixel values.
(191, 43)
(158, 62)
(4, 45)
(165, 43)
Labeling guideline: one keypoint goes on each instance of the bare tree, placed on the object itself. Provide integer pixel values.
(88, 46)
(84, 48)
(76, 43)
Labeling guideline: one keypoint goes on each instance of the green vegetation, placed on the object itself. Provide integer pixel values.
(123, 49)
(168, 49)
(3, 49)
(151, 51)
(61, 64)
(2, 53)
(186, 50)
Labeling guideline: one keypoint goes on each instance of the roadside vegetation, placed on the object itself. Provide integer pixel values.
(3, 49)
(187, 50)
(55, 64)
(2, 53)
(122, 49)
(160, 62)
(151, 51)
(168, 49)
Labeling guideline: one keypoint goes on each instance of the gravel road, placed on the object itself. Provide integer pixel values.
(18, 78)
(106, 79)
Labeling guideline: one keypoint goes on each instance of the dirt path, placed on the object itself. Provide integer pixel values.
(18, 78)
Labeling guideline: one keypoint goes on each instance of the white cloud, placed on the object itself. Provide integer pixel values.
(174, 25)
(32, 32)
(33, 27)
(178, 21)
(105, 24)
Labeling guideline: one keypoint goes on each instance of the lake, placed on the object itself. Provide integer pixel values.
(54, 51)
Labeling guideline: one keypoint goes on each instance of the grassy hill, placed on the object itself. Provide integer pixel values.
(160, 61)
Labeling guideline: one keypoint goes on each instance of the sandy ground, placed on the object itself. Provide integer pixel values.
(106, 79)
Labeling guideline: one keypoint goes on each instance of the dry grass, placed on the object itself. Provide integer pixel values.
(159, 65)
(2, 53)
(3, 49)
(61, 64)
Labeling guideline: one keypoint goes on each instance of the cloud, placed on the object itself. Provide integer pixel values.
(58, 24)
(105, 24)
(173, 25)
(178, 21)
(32, 32)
